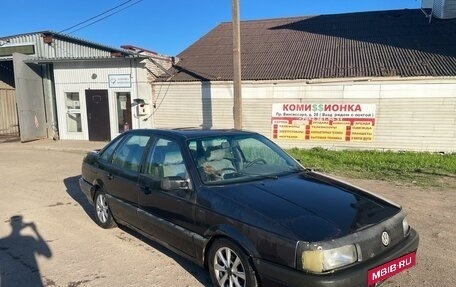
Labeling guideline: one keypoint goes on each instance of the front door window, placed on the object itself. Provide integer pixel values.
(165, 160)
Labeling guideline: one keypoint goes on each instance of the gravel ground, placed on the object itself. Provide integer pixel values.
(48, 236)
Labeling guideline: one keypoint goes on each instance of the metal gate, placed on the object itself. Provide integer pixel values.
(8, 112)
(30, 99)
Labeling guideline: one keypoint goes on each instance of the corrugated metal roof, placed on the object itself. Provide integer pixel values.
(67, 38)
(80, 59)
(63, 46)
(399, 43)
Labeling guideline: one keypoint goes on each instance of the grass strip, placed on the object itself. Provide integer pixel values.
(422, 168)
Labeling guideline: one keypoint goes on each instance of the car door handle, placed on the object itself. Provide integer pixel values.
(110, 176)
(145, 189)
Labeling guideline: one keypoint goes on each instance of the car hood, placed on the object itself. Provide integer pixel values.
(308, 206)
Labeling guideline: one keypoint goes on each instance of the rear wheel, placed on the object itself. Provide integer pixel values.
(229, 266)
(103, 214)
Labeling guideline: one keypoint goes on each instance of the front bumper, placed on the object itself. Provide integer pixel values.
(355, 276)
(87, 189)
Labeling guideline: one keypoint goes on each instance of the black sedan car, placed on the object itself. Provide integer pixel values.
(238, 205)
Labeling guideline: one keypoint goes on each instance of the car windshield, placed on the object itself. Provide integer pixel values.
(238, 158)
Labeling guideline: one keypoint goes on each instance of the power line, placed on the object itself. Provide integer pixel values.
(101, 14)
(97, 16)
(90, 24)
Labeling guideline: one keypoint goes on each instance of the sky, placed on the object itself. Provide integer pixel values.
(166, 27)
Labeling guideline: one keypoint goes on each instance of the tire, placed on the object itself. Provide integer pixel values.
(230, 266)
(103, 215)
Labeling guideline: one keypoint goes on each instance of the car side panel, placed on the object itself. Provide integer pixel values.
(258, 243)
(213, 221)
(167, 215)
(87, 189)
(122, 190)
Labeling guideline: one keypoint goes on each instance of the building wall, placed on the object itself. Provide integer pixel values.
(77, 77)
(156, 65)
(413, 114)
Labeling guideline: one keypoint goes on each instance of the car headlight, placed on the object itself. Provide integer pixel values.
(320, 260)
(405, 227)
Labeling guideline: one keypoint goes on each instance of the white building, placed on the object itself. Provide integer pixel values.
(96, 99)
(372, 80)
(69, 88)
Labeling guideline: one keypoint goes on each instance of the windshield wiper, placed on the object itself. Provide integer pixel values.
(260, 175)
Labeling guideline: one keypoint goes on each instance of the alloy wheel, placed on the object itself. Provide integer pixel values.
(102, 208)
(228, 267)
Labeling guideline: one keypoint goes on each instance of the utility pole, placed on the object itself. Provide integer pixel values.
(237, 79)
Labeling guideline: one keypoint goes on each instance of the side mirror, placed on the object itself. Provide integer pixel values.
(173, 183)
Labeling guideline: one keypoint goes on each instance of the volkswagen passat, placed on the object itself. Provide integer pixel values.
(238, 205)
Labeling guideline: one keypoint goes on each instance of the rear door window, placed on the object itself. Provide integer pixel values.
(109, 151)
(129, 153)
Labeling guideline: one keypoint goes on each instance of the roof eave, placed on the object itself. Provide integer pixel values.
(67, 60)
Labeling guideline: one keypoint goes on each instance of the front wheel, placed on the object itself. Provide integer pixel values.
(229, 266)
(103, 214)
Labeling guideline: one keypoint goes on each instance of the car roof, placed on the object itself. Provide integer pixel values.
(189, 133)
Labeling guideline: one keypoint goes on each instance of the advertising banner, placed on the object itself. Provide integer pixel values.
(323, 122)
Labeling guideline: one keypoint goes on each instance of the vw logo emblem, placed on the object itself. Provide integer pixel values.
(385, 238)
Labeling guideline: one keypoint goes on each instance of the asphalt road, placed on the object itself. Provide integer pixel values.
(48, 236)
